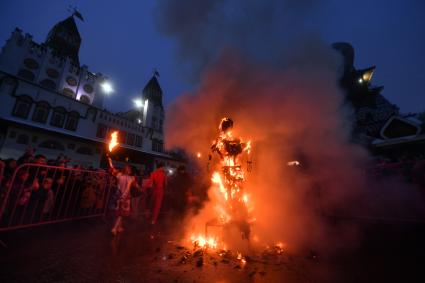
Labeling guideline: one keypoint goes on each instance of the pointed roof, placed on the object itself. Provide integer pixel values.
(153, 92)
(152, 86)
(64, 39)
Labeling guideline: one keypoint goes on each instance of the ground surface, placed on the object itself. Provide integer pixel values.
(86, 252)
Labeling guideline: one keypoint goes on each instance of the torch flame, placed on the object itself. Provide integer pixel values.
(114, 141)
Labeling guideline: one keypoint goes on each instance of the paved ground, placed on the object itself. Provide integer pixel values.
(86, 252)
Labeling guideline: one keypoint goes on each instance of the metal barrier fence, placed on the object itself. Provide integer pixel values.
(37, 195)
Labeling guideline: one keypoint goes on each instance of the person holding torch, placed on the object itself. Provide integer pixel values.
(125, 181)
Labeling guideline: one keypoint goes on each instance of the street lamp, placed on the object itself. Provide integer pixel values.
(107, 87)
(138, 103)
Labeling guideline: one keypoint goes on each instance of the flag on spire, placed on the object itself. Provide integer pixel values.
(75, 12)
(78, 15)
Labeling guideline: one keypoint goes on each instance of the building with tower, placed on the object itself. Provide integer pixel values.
(54, 104)
(377, 123)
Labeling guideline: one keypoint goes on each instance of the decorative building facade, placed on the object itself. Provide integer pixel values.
(378, 124)
(53, 104)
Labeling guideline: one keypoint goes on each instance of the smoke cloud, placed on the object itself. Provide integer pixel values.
(259, 64)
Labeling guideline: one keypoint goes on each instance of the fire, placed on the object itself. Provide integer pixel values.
(114, 141)
(199, 155)
(216, 179)
(203, 242)
(241, 259)
(233, 204)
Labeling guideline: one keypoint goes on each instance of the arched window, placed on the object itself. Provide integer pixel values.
(22, 106)
(41, 112)
(26, 74)
(58, 117)
(68, 92)
(31, 63)
(22, 139)
(72, 121)
(49, 84)
(88, 88)
(85, 99)
(84, 150)
(52, 144)
(52, 73)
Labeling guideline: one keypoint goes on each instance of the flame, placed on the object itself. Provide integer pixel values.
(203, 242)
(114, 141)
(216, 178)
(232, 202)
(241, 258)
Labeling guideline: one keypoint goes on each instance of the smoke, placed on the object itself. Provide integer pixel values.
(258, 63)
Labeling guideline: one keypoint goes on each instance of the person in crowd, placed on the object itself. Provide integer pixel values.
(10, 167)
(158, 179)
(125, 180)
(27, 156)
(40, 159)
(41, 199)
(2, 166)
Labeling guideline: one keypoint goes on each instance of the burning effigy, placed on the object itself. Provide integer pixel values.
(232, 210)
(230, 180)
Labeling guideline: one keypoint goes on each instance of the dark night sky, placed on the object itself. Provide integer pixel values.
(120, 40)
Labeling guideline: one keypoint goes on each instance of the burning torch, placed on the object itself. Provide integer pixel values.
(112, 144)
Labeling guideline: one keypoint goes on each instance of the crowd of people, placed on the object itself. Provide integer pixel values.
(49, 190)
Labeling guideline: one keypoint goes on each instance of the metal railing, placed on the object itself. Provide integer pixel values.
(37, 195)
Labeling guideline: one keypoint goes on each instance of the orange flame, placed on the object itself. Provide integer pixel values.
(204, 242)
(114, 141)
